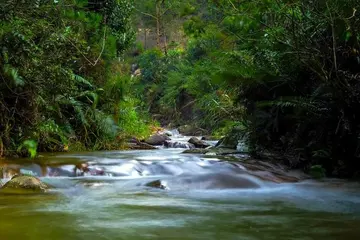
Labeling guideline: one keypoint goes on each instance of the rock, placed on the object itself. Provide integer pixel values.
(272, 171)
(157, 139)
(227, 142)
(167, 133)
(210, 154)
(198, 143)
(133, 140)
(156, 184)
(141, 146)
(215, 151)
(196, 151)
(24, 184)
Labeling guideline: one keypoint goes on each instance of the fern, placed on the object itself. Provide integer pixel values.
(77, 78)
(82, 81)
(13, 74)
(294, 102)
(76, 105)
(93, 95)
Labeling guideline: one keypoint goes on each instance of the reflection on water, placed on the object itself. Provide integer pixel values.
(204, 201)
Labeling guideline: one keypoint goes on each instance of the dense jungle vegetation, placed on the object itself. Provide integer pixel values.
(281, 74)
(62, 79)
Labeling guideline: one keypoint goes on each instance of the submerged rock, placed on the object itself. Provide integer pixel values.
(198, 143)
(24, 184)
(156, 184)
(157, 139)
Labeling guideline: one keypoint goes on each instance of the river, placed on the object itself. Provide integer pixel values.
(202, 199)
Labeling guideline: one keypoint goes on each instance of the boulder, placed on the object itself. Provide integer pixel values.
(157, 139)
(24, 184)
(227, 142)
(198, 143)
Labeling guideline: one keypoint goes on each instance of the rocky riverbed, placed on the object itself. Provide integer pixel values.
(165, 193)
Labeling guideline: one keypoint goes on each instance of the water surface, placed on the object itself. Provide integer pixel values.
(113, 202)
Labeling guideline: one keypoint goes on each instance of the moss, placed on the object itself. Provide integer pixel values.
(24, 185)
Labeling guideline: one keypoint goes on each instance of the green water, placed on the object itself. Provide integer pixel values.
(118, 205)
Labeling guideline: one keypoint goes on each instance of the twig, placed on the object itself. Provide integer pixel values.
(333, 37)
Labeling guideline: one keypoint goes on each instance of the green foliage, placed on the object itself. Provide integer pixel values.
(30, 146)
(317, 171)
(58, 73)
(130, 121)
(286, 72)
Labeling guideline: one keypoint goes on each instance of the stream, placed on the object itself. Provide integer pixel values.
(201, 198)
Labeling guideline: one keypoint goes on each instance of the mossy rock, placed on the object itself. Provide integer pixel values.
(24, 185)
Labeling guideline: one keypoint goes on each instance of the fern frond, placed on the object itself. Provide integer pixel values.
(76, 105)
(82, 81)
(77, 78)
(91, 96)
(295, 102)
(13, 74)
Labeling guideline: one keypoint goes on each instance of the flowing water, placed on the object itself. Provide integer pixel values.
(203, 198)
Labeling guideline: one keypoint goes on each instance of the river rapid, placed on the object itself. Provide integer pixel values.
(200, 198)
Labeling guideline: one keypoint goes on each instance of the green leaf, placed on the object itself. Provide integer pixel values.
(30, 146)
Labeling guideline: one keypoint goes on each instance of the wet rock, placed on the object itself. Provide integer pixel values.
(198, 143)
(214, 151)
(157, 139)
(167, 133)
(273, 172)
(24, 184)
(141, 146)
(156, 184)
(196, 151)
